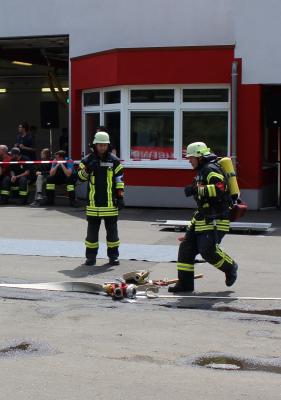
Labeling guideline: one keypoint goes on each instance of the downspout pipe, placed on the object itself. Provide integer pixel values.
(234, 84)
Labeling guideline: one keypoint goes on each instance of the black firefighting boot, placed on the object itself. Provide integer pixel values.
(50, 200)
(4, 200)
(91, 250)
(72, 199)
(230, 273)
(91, 261)
(185, 282)
(113, 253)
(113, 261)
(23, 200)
(73, 203)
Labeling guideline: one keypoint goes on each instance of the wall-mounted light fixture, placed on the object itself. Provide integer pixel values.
(25, 64)
(48, 90)
(3, 90)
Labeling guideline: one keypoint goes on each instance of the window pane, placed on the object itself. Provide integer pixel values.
(112, 97)
(92, 121)
(112, 123)
(205, 95)
(152, 96)
(152, 135)
(92, 99)
(208, 127)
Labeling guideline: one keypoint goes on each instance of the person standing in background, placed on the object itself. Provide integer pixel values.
(24, 141)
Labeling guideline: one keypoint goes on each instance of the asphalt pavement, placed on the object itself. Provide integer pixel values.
(78, 345)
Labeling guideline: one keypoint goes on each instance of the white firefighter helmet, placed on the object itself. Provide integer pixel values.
(197, 149)
(102, 138)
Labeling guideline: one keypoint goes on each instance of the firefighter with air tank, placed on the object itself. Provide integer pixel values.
(104, 174)
(210, 221)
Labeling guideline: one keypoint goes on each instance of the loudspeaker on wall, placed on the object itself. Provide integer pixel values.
(49, 113)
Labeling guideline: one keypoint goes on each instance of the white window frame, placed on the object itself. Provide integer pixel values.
(178, 107)
(101, 109)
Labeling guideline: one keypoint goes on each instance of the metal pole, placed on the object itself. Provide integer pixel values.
(234, 79)
(50, 137)
(69, 111)
(51, 141)
(276, 123)
(278, 166)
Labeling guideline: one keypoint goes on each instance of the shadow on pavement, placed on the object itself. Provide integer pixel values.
(200, 304)
(240, 312)
(82, 271)
(133, 213)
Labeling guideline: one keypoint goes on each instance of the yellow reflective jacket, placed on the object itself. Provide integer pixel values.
(105, 181)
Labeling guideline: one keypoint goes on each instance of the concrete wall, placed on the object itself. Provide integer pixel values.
(95, 25)
(258, 39)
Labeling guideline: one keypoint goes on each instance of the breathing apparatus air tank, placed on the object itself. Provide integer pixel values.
(228, 169)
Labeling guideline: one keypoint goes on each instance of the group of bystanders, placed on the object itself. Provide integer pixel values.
(19, 169)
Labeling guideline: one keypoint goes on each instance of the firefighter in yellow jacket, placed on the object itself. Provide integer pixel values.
(210, 221)
(104, 174)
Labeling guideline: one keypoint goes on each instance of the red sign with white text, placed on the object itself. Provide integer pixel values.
(152, 153)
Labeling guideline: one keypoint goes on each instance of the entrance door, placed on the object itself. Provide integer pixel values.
(91, 123)
(112, 123)
(272, 148)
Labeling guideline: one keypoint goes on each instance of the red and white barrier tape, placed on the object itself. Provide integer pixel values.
(39, 162)
(43, 162)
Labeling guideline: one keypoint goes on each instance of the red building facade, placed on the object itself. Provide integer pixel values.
(198, 79)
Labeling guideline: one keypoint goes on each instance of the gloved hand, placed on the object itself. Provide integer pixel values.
(120, 203)
(189, 190)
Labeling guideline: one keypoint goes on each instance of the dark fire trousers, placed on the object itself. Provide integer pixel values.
(60, 179)
(92, 239)
(20, 187)
(207, 245)
(5, 185)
